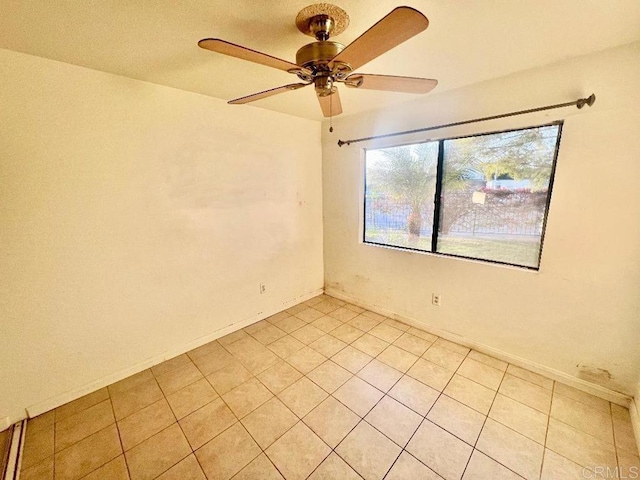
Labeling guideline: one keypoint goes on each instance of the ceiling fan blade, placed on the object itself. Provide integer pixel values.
(267, 93)
(330, 104)
(391, 83)
(233, 50)
(399, 25)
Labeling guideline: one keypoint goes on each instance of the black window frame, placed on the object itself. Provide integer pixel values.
(437, 203)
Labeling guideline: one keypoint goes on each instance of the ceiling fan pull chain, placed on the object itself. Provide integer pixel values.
(330, 113)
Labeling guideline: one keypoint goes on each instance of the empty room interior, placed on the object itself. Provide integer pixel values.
(284, 240)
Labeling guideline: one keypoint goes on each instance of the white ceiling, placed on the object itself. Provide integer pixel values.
(468, 41)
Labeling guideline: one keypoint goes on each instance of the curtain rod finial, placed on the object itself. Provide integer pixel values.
(590, 100)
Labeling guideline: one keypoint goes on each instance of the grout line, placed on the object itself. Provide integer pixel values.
(473, 447)
(362, 419)
(547, 413)
(424, 418)
(252, 438)
(197, 461)
(506, 426)
(583, 403)
(533, 383)
(546, 433)
(157, 433)
(119, 438)
(337, 455)
(85, 438)
(582, 432)
(574, 428)
(504, 374)
(489, 412)
(120, 392)
(271, 462)
(264, 450)
(615, 444)
(164, 397)
(238, 421)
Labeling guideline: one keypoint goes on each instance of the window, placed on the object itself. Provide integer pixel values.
(483, 197)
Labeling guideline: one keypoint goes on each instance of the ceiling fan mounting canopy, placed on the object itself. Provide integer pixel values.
(322, 20)
(324, 63)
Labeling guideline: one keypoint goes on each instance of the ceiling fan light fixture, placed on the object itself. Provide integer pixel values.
(324, 86)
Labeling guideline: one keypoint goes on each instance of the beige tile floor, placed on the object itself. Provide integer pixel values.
(327, 390)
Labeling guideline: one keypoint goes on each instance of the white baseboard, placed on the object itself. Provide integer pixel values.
(54, 402)
(578, 383)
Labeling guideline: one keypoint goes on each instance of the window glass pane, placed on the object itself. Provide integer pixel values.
(400, 185)
(494, 195)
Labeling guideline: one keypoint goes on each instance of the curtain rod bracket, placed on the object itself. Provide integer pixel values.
(580, 103)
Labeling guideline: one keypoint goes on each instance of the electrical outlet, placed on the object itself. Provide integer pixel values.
(263, 288)
(436, 299)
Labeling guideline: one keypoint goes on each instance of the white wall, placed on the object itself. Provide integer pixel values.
(138, 220)
(582, 307)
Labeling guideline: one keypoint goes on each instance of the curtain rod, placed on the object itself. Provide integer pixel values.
(581, 102)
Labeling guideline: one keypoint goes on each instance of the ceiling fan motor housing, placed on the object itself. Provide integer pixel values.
(317, 55)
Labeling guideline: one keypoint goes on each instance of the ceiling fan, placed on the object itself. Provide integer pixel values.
(324, 63)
